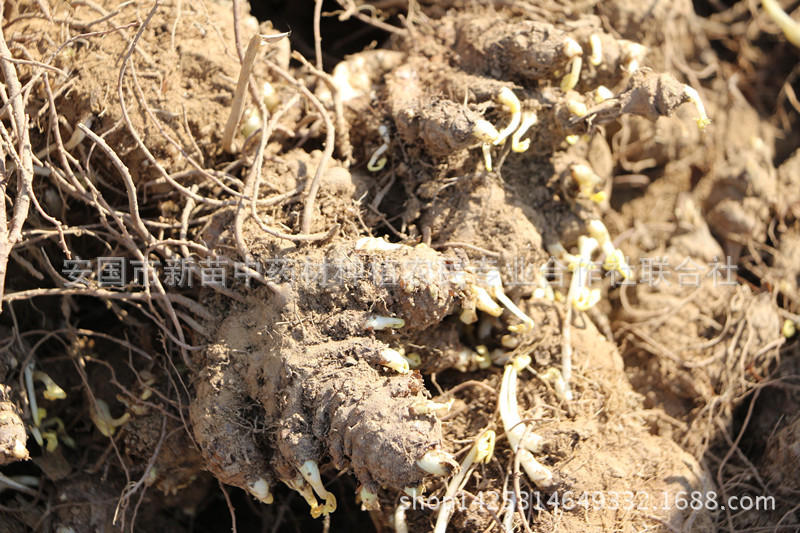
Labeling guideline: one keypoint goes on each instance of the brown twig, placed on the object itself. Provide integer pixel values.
(9, 235)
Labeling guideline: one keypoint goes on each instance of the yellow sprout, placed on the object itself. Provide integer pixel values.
(577, 108)
(789, 328)
(310, 472)
(569, 81)
(106, 423)
(52, 391)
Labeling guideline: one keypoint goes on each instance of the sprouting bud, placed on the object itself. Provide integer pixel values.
(252, 122)
(572, 48)
(632, 54)
(510, 100)
(586, 298)
(484, 447)
(438, 463)
(529, 118)
(484, 302)
(269, 96)
(571, 79)
(414, 360)
(394, 360)
(52, 391)
(310, 472)
(484, 131)
(693, 97)
(596, 56)
(378, 322)
(576, 108)
(104, 421)
(369, 500)
(602, 93)
(260, 490)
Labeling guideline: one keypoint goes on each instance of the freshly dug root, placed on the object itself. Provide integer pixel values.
(528, 50)
(650, 95)
(440, 125)
(334, 389)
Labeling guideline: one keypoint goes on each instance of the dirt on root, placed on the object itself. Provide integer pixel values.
(325, 329)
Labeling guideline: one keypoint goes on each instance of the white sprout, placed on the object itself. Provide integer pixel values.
(310, 472)
(485, 132)
(508, 518)
(789, 27)
(702, 120)
(481, 358)
(394, 360)
(601, 94)
(578, 290)
(510, 342)
(515, 429)
(468, 314)
(572, 48)
(581, 298)
(260, 490)
(106, 423)
(572, 139)
(557, 250)
(569, 81)
(269, 96)
(596, 56)
(496, 288)
(586, 178)
(553, 376)
(369, 499)
(484, 301)
(577, 108)
(437, 462)
(529, 118)
(480, 452)
(400, 525)
(487, 156)
(615, 260)
(378, 322)
(510, 100)
(378, 161)
(632, 54)
(252, 122)
(464, 360)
